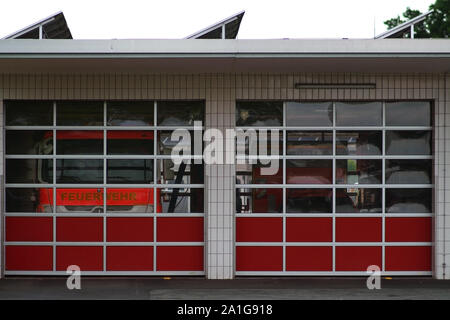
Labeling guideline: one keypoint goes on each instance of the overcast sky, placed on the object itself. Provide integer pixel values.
(172, 19)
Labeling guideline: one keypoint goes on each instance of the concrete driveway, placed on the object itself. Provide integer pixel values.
(151, 288)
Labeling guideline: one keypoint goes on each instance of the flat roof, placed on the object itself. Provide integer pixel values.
(211, 55)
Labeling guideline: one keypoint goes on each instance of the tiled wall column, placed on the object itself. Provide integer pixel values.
(219, 181)
(442, 182)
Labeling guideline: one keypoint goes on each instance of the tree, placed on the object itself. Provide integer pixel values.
(436, 25)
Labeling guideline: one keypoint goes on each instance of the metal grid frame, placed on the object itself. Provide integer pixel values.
(383, 215)
(155, 157)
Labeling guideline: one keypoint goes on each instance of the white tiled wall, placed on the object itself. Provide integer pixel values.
(220, 92)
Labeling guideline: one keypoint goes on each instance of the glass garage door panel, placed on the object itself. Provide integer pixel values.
(106, 196)
(353, 188)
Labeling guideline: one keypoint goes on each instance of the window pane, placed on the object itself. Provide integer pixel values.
(79, 142)
(307, 114)
(79, 200)
(166, 143)
(358, 171)
(408, 142)
(309, 171)
(259, 113)
(359, 114)
(79, 113)
(79, 171)
(29, 171)
(309, 143)
(408, 113)
(359, 143)
(408, 200)
(309, 200)
(180, 113)
(29, 113)
(251, 142)
(29, 199)
(253, 174)
(126, 113)
(29, 142)
(408, 171)
(183, 173)
(130, 142)
(358, 200)
(261, 200)
(130, 171)
(181, 200)
(130, 200)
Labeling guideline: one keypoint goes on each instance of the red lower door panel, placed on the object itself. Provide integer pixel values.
(29, 258)
(357, 258)
(29, 228)
(86, 257)
(79, 229)
(124, 229)
(309, 258)
(403, 258)
(309, 229)
(179, 258)
(411, 229)
(255, 258)
(358, 229)
(180, 229)
(259, 229)
(127, 258)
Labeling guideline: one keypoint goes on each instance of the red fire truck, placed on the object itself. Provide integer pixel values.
(139, 200)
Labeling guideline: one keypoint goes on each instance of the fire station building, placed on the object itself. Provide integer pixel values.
(88, 178)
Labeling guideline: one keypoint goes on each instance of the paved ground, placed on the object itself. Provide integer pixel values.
(146, 288)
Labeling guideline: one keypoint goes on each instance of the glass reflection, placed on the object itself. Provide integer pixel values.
(309, 171)
(29, 113)
(29, 200)
(79, 171)
(408, 171)
(183, 173)
(181, 200)
(79, 113)
(358, 200)
(307, 114)
(309, 143)
(410, 200)
(259, 113)
(130, 171)
(130, 142)
(255, 174)
(260, 200)
(29, 142)
(79, 142)
(358, 143)
(359, 114)
(131, 200)
(29, 171)
(180, 113)
(166, 142)
(309, 200)
(256, 142)
(408, 113)
(358, 171)
(130, 113)
(79, 200)
(408, 142)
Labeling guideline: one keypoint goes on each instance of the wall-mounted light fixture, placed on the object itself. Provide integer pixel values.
(335, 86)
